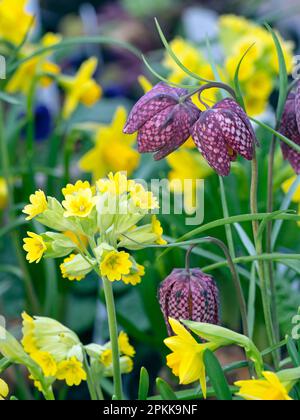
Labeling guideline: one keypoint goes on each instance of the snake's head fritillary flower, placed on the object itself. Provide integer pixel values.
(163, 118)
(190, 295)
(290, 127)
(223, 132)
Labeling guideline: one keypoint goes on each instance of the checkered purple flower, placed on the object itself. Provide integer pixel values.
(191, 295)
(223, 132)
(290, 127)
(162, 118)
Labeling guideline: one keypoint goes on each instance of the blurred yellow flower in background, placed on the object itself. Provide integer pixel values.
(113, 150)
(3, 389)
(15, 21)
(268, 389)
(38, 205)
(3, 193)
(34, 246)
(81, 88)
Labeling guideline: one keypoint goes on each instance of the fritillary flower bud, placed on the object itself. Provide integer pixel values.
(223, 132)
(163, 118)
(290, 127)
(189, 294)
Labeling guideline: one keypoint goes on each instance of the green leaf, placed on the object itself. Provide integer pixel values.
(165, 390)
(143, 384)
(9, 99)
(236, 81)
(293, 351)
(251, 301)
(216, 375)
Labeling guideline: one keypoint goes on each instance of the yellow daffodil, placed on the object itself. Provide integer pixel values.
(186, 359)
(80, 204)
(64, 271)
(81, 88)
(113, 150)
(125, 347)
(145, 84)
(267, 389)
(46, 361)
(158, 230)
(135, 277)
(3, 193)
(260, 85)
(38, 205)
(34, 246)
(255, 106)
(15, 20)
(115, 265)
(106, 357)
(71, 371)
(3, 389)
(71, 189)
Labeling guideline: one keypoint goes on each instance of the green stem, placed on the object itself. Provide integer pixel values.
(90, 379)
(113, 331)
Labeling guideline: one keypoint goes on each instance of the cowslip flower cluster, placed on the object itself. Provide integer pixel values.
(108, 216)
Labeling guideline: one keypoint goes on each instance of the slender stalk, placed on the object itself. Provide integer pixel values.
(90, 379)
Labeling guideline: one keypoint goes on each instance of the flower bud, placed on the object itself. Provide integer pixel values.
(189, 295)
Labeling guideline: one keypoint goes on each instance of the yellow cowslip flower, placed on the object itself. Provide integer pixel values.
(186, 359)
(34, 246)
(15, 21)
(134, 278)
(81, 88)
(71, 371)
(260, 85)
(36, 383)
(46, 361)
(64, 272)
(158, 230)
(246, 71)
(268, 389)
(79, 205)
(124, 346)
(115, 184)
(115, 265)
(38, 204)
(255, 106)
(3, 389)
(113, 150)
(71, 189)
(142, 199)
(106, 357)
(3, 193)
(29, 340)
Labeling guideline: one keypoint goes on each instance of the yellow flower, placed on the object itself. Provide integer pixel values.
(186, 359)
(267, 389)
(46, 361)
(158, 230)
(71, 189)
(3, 389)
(286, 187)
(246, 68)
(28, 341)
(113, 150)
(81, 204)
(71, 371)
(260, 85)
(34, 246)
(3, 193)
(81, 241)
(106, 357)
(124, 345)
(36, 383)
(135, 277)
(145, 84)
(15, 21)
(38, 205)
(81, 88)
(64, 271)
(255, 106)
(115, 265)
(142, 199)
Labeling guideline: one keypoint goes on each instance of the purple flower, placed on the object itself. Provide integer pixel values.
(191, 295)
(223, 132)
(290, 127)
(163, 118)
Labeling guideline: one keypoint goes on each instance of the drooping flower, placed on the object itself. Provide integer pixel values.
(81, 88)
(158, 230)
(71, 371)
(34, 246)
(223, 132)
(3, 389)
(162, 118)
(64, 269)
(38, 204)
(189, 295)
(135, 275)
(115, 264)
(290, 127)
(125, 347)
(46, 361)
(104, 157)
(268, 389)
(80, 204)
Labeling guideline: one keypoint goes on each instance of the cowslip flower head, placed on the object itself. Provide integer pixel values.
(190, 295)
(34, 246)
(268, 389)
(3, 389)
(79, 204)
(162, 118)
(38, 205)
(223, 132)
(290, 127)
(115, 264)
(71, 371)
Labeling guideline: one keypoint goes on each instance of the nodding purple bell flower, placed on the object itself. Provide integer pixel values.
(290, 127)
(223, 132)
(163, 118)
(190, 295)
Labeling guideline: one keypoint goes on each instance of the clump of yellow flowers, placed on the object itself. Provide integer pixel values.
(108, 215)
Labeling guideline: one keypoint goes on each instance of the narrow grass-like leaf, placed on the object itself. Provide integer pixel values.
(236, 80)
(143, 384)
(251, 301)
(293, 351)
(5, 97)
(165, 390)
(216, 375)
